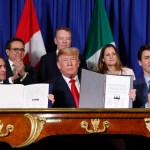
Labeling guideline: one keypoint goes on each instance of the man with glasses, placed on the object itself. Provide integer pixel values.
(16, 71)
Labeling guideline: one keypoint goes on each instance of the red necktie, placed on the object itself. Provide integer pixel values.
(74, 91)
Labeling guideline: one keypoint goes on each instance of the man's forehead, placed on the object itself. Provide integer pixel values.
(63, 33)
(67, 55)
(2, 61)
(146, 52)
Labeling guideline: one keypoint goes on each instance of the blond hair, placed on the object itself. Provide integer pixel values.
(72, 51)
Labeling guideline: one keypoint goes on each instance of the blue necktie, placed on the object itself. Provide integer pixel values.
(149, 86)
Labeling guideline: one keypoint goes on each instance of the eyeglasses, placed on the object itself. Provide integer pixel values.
(18, 49)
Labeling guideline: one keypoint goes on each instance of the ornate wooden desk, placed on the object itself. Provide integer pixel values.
(31, 125)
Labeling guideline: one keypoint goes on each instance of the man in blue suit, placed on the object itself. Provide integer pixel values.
(142, 84)
(68, 63)
(47, 66)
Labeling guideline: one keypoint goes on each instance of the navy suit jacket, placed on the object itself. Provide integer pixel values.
(31, 78)
(62, 93)
(48, 67)
(141, 92)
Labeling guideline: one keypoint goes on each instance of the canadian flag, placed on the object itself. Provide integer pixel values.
(29, 31)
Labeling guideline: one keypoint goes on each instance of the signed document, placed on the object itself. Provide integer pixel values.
(24, 96)
(105, 91)
(117, 91)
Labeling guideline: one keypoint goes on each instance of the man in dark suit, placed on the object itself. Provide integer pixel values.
(3, 71)
(16, 70)
(47, 66)
(3, 145)
(68, 63)
(141, 84)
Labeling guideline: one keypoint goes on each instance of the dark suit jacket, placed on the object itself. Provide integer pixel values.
(31, 78)
(62, 93)
(48, 67)
(6, 82)
(141, 92)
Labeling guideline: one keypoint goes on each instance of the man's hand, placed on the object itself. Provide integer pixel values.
(132, 94)
(15, 76)
(51, 98)
(20, 69)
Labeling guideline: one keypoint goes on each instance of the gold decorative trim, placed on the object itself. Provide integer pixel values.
(95, 123)
(147, 123)
(37, 124)
(9, 128)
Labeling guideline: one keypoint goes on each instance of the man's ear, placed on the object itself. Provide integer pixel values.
(79, 63)
(58, 65)
(7, 52)
(55, 41)
(140, 63)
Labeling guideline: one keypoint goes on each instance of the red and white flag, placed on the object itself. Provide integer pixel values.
(29, 31)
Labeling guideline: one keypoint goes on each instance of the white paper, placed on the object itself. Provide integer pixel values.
(11, 96)
(20, 96)
(117, 91)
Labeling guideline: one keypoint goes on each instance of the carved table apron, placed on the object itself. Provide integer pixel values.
(31, 125)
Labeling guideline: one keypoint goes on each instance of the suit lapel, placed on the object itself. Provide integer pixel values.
(8, 70)
(143, 88)
(69, 98)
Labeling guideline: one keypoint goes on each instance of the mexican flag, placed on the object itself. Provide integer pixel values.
(99, 34)
(29, 31)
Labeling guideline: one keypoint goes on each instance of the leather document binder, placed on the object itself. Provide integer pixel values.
(98, 91)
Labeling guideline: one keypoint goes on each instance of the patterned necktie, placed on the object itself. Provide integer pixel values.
(74, 91)
(13, 69)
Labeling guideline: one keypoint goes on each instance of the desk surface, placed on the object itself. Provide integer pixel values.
(31, 125)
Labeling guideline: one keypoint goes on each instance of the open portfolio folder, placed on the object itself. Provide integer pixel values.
(105, 91)
(24, 96)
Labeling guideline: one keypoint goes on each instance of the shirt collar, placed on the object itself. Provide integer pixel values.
(68, 79)
(10, 62)
(147, 79)
(57, 51)
(1, 82)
